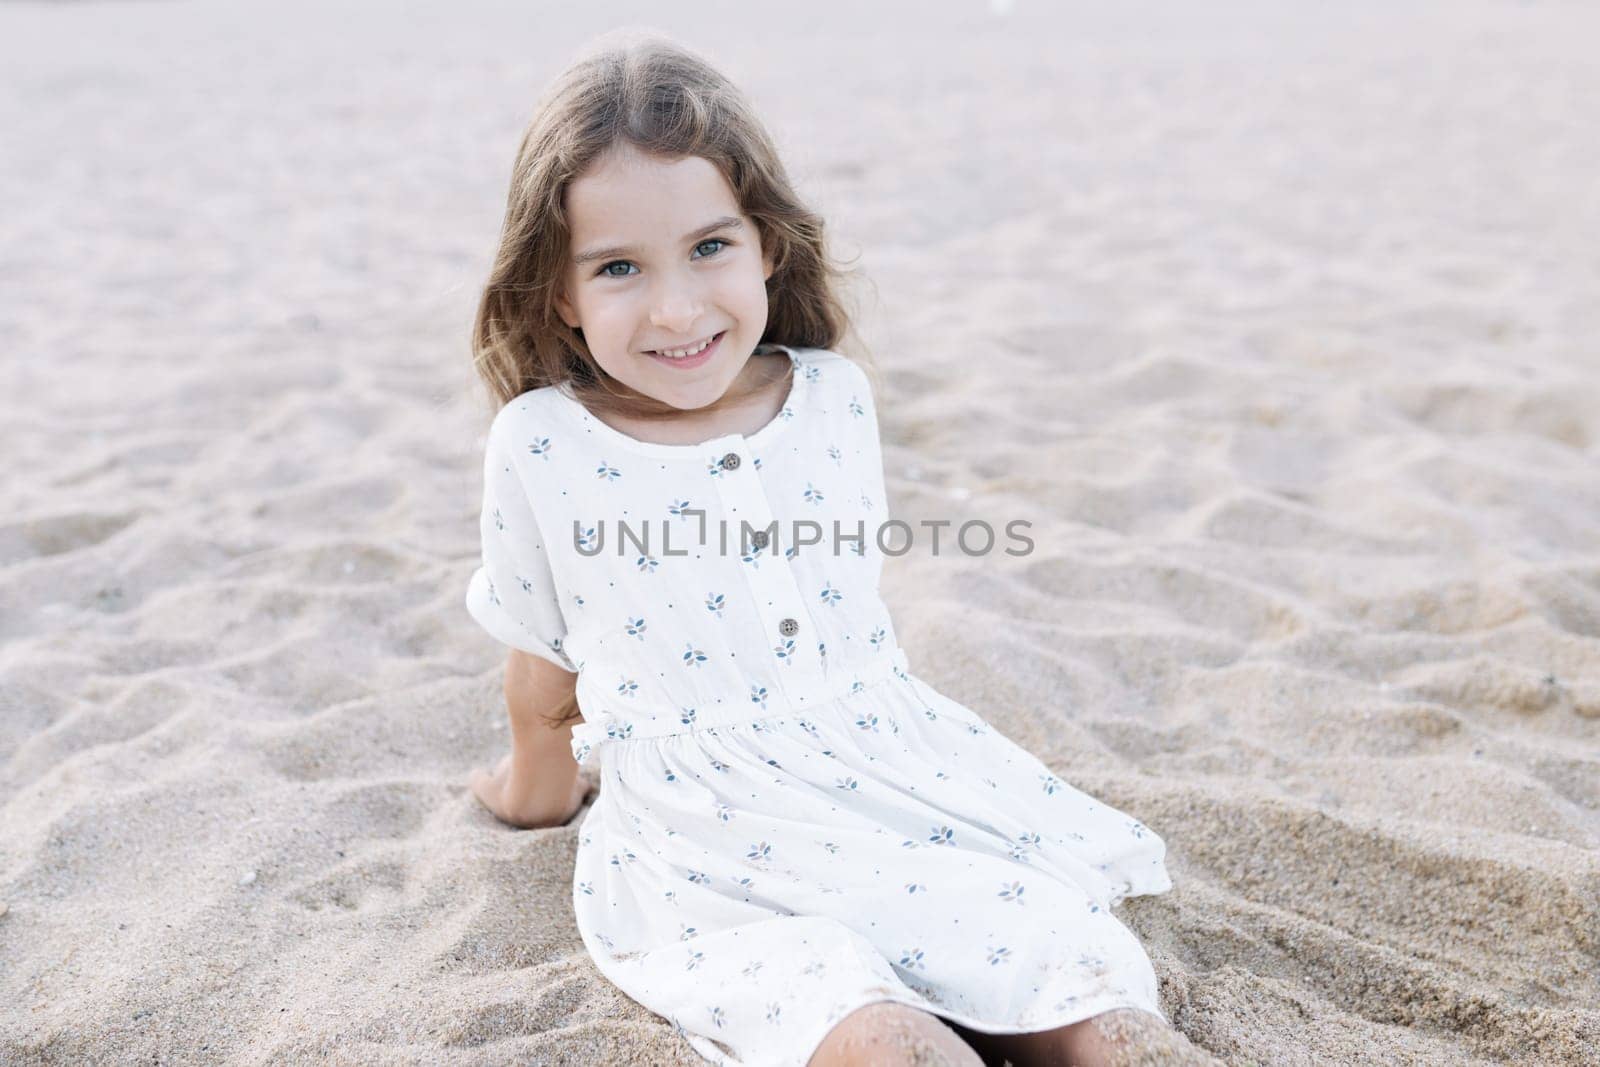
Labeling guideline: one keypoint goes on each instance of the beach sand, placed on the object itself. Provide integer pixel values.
(1283, 332)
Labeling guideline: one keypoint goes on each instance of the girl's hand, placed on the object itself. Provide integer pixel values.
(512, 802)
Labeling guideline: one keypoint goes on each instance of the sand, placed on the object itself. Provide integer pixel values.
(1281, 330)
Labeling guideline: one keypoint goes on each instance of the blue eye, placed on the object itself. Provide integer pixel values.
(606, 271)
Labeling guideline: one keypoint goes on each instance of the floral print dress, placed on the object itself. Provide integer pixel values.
(790, 824)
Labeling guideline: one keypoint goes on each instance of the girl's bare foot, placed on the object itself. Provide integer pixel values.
(517, 802)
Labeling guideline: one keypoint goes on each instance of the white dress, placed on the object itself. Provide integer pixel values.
(790, 825)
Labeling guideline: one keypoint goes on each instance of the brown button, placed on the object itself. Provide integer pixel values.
(730, 461)
(759, 538)
(789, 627)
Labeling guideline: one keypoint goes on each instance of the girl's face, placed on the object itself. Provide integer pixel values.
(663, 259)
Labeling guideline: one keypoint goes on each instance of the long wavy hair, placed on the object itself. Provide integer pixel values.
(642, 89)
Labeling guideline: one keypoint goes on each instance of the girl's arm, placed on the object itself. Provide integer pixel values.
(537, 784)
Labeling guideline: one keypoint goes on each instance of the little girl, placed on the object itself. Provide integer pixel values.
(800, 852)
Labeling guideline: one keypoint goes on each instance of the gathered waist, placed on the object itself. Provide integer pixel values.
(606, 722)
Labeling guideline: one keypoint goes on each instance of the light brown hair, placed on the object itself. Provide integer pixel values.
(643, 89)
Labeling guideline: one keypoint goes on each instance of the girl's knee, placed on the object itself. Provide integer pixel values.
(892, 1034)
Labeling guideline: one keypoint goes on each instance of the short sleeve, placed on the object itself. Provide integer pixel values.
(863, 407)
(862, 414)
(513, 594)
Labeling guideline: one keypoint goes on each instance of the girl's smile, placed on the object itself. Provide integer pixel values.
(694, 355)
